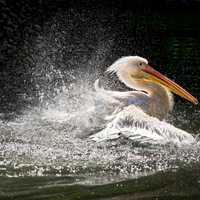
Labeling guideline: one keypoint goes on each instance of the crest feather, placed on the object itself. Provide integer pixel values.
(117, 64)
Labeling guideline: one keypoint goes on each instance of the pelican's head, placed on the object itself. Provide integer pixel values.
(135, 72)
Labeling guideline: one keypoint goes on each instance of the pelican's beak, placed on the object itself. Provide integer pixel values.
(157, 77)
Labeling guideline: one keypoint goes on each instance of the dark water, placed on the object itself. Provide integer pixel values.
(179, 184)
(50, 57)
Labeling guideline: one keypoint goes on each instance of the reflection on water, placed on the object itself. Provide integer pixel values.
(40, 155)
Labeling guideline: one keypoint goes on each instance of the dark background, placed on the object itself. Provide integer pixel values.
(89, 36)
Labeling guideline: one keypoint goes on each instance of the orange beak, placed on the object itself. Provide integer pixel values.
(171, 85)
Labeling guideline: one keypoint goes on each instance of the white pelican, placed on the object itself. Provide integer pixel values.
(152, 90)
(150, 98)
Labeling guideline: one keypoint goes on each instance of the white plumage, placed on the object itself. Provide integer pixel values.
(137, 114)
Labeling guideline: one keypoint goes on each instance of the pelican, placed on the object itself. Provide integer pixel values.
(152, 91)
(149, 102)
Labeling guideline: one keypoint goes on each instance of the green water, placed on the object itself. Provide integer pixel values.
(183, 183)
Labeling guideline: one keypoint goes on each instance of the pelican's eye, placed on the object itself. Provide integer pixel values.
(140, 64)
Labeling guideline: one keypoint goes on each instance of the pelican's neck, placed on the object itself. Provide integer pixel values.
(160, 98)
(161, 95)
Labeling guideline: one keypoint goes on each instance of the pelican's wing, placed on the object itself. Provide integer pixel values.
(133, 124)
(110, 101)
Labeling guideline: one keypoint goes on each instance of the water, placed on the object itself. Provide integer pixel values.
(41, 156)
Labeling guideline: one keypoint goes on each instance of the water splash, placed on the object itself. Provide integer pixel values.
(44, 141)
